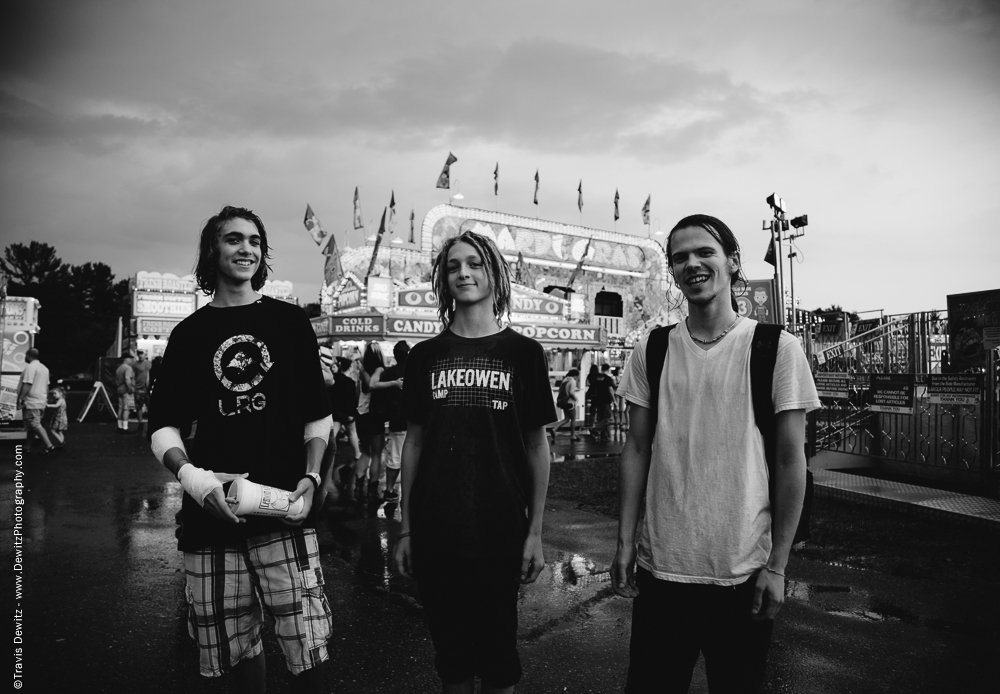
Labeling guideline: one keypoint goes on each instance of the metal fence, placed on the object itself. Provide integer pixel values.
(958, 441)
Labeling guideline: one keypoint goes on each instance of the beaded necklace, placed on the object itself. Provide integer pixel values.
(714, 339)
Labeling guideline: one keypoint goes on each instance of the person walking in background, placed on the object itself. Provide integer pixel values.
(343, 395)
(707, 573)
(475, 469)
(58, 422)
(588, 410)
(246, 367)
(32, 394)
(371, 421)
(140, 371)
(394, 413)
(566, 401)
(601, 399)
(125, 378)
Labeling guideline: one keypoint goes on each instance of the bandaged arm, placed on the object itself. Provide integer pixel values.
(168, 447)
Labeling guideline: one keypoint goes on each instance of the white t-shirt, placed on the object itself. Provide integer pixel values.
(707, 517)
(36, 374)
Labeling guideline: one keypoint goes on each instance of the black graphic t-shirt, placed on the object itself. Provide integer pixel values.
(475, 398)
(250, 377)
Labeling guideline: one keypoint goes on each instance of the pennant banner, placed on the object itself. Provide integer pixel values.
(579, 196)
(378, 242)
(536, 186)
(333, 271)
(771, 256)
(314, 227)
(645, 210)
(392, 212)
(616, 204)
(444, 180)
(412, 217)
(358, 224)
(496, 179)
(579, 266)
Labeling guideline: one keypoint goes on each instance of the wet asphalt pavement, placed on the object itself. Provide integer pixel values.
(103, 607)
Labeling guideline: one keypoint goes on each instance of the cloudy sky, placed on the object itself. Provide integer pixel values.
(125, 124)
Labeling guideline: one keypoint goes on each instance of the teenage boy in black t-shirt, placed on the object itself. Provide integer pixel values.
(246, 369)
(475, 469)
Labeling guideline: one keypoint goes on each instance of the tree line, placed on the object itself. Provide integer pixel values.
(80, 305)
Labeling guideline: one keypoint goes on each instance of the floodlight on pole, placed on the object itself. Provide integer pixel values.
(799, 222)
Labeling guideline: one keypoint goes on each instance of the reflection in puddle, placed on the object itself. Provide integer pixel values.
(845, 601)
(576, 572)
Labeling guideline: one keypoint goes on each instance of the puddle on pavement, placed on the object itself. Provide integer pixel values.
(576, 572)
(581, 456)
(845, 601)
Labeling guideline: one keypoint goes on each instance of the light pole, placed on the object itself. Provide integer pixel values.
(778, 208)
(799, 224)
(778, 225)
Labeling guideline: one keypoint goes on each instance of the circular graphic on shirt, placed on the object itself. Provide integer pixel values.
(241, 362)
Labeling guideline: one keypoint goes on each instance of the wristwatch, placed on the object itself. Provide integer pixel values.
(315, 479)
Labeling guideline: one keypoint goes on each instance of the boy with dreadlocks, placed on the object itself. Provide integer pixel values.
(475, 469)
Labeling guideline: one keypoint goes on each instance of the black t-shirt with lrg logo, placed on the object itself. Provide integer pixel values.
(250, 377)
(475, 398)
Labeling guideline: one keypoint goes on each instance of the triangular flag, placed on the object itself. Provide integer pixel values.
(412, 217)
(444, 180)
(358, 224)
(645, 210)
(392, 212)
(579, 266)
(378, 242)
(536, 186)
(616, 204)
(771, 256)
(496, 179)
(579, 196)
(313, 226)
(333, 271)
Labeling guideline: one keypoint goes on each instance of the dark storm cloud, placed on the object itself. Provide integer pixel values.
(536, 94)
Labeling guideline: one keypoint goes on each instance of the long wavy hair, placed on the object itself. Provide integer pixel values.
(206, 270)
(721, 233)
(371, 360)
(497, 272)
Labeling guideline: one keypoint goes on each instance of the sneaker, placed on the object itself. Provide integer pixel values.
(391, 495)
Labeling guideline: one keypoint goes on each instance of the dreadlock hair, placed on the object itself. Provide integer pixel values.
(718, 230)
(497, 271)
(206, 269)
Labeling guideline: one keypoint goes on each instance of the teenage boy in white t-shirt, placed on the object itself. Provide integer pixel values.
(707, 572)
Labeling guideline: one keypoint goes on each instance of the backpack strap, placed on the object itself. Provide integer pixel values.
(763, 355)
(656, 353)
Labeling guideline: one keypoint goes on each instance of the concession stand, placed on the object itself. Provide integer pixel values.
(620, 286)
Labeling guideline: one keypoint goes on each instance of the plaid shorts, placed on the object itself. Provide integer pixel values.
(229, 587)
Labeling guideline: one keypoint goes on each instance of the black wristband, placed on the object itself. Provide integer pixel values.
(314, 478)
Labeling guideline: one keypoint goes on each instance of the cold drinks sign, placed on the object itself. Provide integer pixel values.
(364, 327)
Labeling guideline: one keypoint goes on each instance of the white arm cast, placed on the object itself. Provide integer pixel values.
(319, 429)
(164, 439)
(194, 480)
(197, 482)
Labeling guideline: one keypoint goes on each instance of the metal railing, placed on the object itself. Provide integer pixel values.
(958, 440)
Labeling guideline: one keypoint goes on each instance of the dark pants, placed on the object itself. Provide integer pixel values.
(673, 622)
(472, 616)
